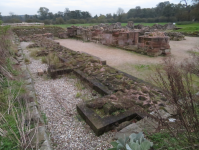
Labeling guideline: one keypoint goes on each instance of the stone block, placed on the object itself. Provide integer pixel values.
(40, 72)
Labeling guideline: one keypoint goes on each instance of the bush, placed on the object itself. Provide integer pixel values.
(150, 20)
(176, 80)
(47, 21)
(59, 20)
(73, 21)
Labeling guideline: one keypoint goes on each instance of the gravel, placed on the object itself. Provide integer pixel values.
(58, 99)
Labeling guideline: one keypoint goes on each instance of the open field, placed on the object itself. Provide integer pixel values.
(185, 28)
(189, 27)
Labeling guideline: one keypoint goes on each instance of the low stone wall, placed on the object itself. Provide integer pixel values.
(27, 31)
(122, 91)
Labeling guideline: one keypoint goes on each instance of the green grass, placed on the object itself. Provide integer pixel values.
(78, 94)
(44, 60)
(9, 89)
(163, 141)
(44, 117)
(185, 28)
(194, 27)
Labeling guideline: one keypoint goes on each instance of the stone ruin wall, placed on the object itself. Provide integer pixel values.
(129, 92)
(27, 31)
(127, 37)
(123, 37)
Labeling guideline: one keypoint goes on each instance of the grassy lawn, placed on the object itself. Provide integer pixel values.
(189, 27)
(185, 28)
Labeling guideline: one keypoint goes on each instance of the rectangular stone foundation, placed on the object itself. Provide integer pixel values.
(100, 125)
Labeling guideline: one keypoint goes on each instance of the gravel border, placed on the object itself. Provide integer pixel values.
(58, 99)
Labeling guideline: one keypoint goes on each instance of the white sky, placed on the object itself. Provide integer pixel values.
(30, 7)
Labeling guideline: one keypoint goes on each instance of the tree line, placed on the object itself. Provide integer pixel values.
(163, 12)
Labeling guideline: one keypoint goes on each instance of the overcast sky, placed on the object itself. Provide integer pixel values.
(30, 7)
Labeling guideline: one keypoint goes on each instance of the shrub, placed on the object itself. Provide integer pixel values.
(184, 23)
(177, 83)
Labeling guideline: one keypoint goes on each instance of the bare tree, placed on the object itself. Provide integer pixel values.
(120, 11)
(11, 14)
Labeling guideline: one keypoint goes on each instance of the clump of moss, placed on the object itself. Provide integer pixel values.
(119, 76)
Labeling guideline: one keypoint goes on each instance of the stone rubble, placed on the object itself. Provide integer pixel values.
(57, 99)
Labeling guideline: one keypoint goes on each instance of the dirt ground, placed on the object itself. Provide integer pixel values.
(131, 62)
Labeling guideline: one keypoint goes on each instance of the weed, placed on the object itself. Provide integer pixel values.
(26, 60)
(33, 53)
(53, 60)
(78, 94)
(85, 97)
(10, 68)
(44, 60)
(119, 76)
(79, 85)
(118, 112)
(44, 117)
(72, 76)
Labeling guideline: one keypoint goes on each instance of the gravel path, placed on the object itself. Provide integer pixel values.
(57, 99)
(116, 57)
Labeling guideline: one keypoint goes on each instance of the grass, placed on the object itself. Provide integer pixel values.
(44, 117)
(161, 140)
(141, 71)
(26, 60)
(33, 53)
(78, 95)
(194, 27)
(44, 60)
(10, 68)
(10, 91)
(185, 27)
(53, 60)
(79, 85)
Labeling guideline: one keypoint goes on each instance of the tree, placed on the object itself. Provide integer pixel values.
(50, 15)
(43, 12)
(66, 13)
(120, 11)
(59, 20)
(11, 14)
